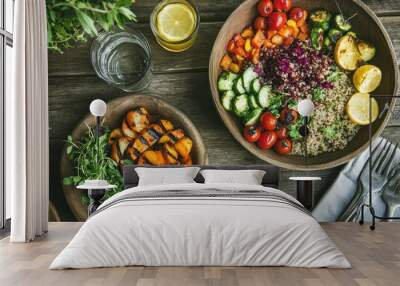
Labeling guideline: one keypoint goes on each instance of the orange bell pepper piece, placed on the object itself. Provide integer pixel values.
(288, 41)
(277, 40)
(247, 33)
(239, 51)
(304, 29)
(235, 68)
(268, 44)
(271, 33)
(255, 56)
(302, 36)
(258, 39)
(225, 62)
(285, 32)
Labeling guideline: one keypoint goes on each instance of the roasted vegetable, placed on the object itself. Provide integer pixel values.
(154, 157)
(172, 136)
(341, 23)
(317, 38)
(367, 50)
(347, 55)
(128, 132)
(142, 161)
(320, 19)
(132, 153)
(170, 154)
(184, 146)
(166, 124)
(114, 136)
(115, 155)
(152, 134)
(123, 144)
(140, 144)
(187, 161)
(334, 35)
(138, 119)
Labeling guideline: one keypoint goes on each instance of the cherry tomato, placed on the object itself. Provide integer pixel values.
(288, 116)
(260, 23)
(267, 140)
(282, 132)
(265, 7)
(297, 14)
(283, 147)
(276, 20)
(251, 133)
(283, 5)
(269, 121)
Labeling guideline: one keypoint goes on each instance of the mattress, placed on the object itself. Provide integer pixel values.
(201, 225)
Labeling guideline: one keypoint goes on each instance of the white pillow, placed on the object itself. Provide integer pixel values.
(166, 176)
(246, 177)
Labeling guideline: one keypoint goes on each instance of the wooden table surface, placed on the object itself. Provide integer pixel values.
(182, 80)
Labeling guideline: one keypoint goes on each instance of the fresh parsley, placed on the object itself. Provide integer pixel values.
(318, 94)
(70, 21)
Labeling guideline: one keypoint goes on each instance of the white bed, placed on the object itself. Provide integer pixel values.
(201, 225)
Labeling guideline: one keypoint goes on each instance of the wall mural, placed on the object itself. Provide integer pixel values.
(301, 88)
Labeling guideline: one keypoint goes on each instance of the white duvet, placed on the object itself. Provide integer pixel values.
(202, 231)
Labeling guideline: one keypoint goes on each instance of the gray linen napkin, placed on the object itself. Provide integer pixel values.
(336, 199)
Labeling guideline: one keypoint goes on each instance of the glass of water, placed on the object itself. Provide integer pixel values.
(122, 59)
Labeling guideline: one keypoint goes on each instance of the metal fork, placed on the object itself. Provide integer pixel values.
(391, 193)
(381, 167)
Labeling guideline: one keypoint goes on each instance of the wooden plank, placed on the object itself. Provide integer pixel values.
(220, 10)
(76, 61)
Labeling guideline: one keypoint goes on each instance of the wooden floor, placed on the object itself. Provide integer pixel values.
(375, 257)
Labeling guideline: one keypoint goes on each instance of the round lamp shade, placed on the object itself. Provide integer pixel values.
(305, 107)
(98, 107)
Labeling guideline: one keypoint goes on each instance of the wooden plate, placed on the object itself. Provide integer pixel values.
(116, 110)
(385, 59)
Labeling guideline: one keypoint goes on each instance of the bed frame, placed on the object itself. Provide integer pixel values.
(271, 178)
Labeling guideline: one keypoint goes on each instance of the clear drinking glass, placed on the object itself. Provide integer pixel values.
(122, 59)
(175, 21)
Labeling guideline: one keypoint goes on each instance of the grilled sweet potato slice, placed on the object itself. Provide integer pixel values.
(114, 136)
(127, 131)
(166, 124)
(115, 154)
(184, 146)
(123, 144)
(140, 144)
(154, 157)
(138, 119)
(170, 154)
(152, 134)
(132, 153)
(172, 136)
(187, 161)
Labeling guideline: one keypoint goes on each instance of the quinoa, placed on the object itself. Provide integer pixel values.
(330, 115)
(299, 72)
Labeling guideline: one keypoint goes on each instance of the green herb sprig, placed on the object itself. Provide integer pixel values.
(90, 165)
(70, 21)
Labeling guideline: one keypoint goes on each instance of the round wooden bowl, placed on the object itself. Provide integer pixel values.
(116, 111)
(368, 27)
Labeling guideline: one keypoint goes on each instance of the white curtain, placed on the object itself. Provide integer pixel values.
(27, 171)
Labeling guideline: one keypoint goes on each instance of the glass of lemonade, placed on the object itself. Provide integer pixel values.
(175, 24)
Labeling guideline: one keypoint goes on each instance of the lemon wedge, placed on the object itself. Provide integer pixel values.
(358, 109)
(367, 78)
(176, 22)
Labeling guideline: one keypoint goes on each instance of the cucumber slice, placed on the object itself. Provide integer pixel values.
(227, 99)
(226, 81)
(241, 105)
(248, 76)
(253, 102)
(342, 24)
(264, 95)
(238, 86)
(255, 86)
(252, 117)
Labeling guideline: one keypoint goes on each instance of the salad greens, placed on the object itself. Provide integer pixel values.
(70, 21)
(294, 129)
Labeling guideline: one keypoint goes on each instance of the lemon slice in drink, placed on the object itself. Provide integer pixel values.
(367, 78)
(358, 109)
(175, 22)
